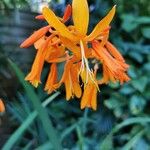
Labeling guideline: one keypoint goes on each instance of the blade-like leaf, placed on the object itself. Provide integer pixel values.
(42, 113)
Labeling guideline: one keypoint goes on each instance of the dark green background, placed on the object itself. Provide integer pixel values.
(122, 120)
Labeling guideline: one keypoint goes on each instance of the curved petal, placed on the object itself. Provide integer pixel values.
(67, 13)
(40, 17)
(57, 24)
(39, 43)
(34, 37)
(102, 25)
(114, 52)
(74, 76)
(52, 79)
(87, 95)
(94, 98)
(2, 106)
(80, 15)
(71, 46)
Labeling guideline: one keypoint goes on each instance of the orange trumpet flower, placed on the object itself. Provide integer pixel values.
(56, 43)
(2, 106)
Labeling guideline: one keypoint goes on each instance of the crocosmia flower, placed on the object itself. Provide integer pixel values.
(82, 54)
(2, 106)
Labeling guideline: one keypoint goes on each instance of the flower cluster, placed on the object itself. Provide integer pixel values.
(56, 43)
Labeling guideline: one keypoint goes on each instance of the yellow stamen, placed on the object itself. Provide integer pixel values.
(85, 67)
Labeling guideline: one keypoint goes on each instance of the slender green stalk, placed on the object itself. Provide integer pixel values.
(130, 121)
(80, 137)
(133, 141)
(85, 116)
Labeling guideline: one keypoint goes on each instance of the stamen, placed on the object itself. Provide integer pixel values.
(85, 65)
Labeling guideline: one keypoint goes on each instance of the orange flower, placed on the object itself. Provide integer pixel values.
(46, 41)
(36, 70)
(76, 34)
(56, 43)
(89, 98)
(70, 78)
(52, 79)
(114, 67)
(2, 106)
(34, 37)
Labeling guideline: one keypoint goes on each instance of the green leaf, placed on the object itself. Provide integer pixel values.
(28, 146)
(113, 103)
(136, 56)
(118, 112)
(146, 32)
(141, 145)
(42, 113)
(80, 137)
(130, 121)
(68, 130)
(107, 143)
(137, 104)
(147, 93)
(46, 146)
(129, 23)
(140, 83)
(132, 72)
(133, 141)
(127, 89)
(147, 66)
(114, 85)
(25, 125)
(143, 20)
(18, 133)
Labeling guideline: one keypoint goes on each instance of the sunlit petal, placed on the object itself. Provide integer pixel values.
(34, 37)
(94, 98)
(52, 79)
(57, 24)
(67, 13)
(102, 25)
(111, 48)
(2, 106)
(80, 15)
(86, 96)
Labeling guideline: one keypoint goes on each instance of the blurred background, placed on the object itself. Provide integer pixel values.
(122, 120)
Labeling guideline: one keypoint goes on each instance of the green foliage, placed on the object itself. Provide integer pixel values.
(13, 4)
(122, 120)
(43, 115)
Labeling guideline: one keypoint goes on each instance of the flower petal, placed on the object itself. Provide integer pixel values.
(57, 24)
(55, 53)
(71, 46)
(39, 43)
(68, 89)
(34, 76)
(87, 94)
(80, 15)
(102, 25)
(94, 98)
(52, 79)
(34, 37)
(40, 17)
(114, 52)
(67, 13)
(74, 76)
(2, 106)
